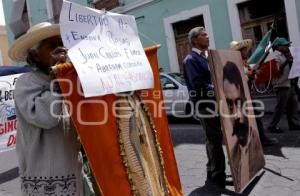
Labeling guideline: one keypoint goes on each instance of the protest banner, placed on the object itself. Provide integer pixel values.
(105, 49)
(8, 121)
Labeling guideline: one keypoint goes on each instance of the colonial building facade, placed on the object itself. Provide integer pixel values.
(167, 22)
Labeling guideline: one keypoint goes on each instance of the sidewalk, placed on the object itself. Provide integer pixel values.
(281, 175)
(9, 181)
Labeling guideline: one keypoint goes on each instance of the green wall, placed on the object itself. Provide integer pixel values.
(38, 12)
(7, 6)
(150, 22)
(128, 1)
(38, 9)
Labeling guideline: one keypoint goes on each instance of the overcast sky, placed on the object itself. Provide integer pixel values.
(2, 22)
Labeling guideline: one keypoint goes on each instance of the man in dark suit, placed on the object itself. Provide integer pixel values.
(197, 75)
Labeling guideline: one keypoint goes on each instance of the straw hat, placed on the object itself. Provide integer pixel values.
(234, 45)
(19, 50)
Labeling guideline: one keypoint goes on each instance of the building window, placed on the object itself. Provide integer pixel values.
(256, 18)
(181, 30)
(106, 4)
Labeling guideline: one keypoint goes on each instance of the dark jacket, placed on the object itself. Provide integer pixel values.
(197, 75)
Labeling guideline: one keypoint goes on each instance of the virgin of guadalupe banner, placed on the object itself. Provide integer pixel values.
(239, 127)
(128, 146)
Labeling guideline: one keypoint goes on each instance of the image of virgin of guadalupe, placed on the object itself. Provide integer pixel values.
(140, 148)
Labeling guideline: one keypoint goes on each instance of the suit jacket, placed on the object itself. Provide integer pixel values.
(197, 75)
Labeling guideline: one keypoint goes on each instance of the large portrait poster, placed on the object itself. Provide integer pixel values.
(8, 121)
(237, 117)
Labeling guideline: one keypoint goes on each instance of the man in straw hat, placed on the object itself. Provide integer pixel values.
(244, 46)
(47, 146)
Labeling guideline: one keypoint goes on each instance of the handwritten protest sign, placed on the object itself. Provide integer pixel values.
(8, 121)
(295, 69)
(105, 50)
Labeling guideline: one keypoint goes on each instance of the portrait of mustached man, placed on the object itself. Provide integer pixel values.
(245, 159)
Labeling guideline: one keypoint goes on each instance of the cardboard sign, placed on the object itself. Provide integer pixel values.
(8, 121)
(105, 50)
(237, 117)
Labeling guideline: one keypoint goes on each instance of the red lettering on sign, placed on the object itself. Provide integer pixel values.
(8, 126)
(11, 140)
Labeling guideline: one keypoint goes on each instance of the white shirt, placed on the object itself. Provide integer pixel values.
(205, 53)
(282, 80)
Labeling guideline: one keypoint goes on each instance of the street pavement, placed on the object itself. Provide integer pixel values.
(281, 175)
(9, 181)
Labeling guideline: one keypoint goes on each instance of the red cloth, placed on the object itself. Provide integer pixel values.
(266, 72)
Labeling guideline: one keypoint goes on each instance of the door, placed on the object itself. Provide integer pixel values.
(181, 30)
